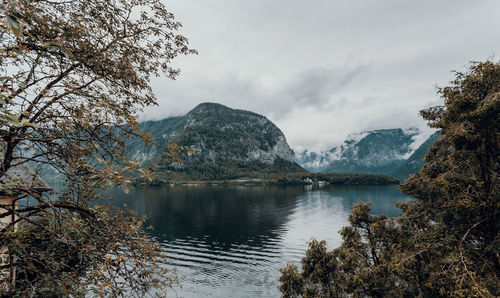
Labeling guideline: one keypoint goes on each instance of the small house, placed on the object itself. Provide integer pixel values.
(26, 176)
(9, 201)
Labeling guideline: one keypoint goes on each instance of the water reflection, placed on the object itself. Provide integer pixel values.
(230, 241)
(219, 215)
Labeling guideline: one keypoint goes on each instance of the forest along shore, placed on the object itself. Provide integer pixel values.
(288, 179)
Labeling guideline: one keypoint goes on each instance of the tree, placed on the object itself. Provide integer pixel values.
(447, 241)
(73, 75)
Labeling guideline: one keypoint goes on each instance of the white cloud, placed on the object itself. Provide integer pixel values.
(324, 69)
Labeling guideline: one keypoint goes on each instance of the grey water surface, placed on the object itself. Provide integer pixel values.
(231, 241)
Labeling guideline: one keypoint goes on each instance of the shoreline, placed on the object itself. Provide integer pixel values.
(292, 179)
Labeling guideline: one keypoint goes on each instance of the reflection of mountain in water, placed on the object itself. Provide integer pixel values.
(231, 241)
(221, 216)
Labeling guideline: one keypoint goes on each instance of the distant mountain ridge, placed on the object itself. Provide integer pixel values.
(383, 151)
(231, 143)
(227, 143)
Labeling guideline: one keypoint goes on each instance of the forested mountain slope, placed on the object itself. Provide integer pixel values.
(225, 143)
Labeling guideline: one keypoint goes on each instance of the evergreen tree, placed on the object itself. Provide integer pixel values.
(446, 242)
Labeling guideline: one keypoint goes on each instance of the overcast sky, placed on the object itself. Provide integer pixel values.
(322, 69)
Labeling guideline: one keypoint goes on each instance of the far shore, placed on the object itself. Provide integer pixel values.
(286, 179)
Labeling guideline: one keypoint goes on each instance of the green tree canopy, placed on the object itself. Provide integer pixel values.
(447, 241)
(73, 75)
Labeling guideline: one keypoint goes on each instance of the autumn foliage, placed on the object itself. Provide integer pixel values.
(73, 75)
(447, 240)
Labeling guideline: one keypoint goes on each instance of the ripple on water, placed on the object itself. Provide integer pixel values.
(230, 242)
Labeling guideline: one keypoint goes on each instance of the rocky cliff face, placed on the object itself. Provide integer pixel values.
(377, 152)
(219, 133)
(223, 140)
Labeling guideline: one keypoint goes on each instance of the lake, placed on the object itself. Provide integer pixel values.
(231, 241)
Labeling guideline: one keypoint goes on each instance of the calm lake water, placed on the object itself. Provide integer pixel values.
(231, 241)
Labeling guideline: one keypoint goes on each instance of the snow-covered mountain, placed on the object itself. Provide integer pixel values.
(377, 151)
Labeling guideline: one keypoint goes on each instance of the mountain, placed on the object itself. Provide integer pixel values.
(415, 162)
(227, 143)
(377, 152)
